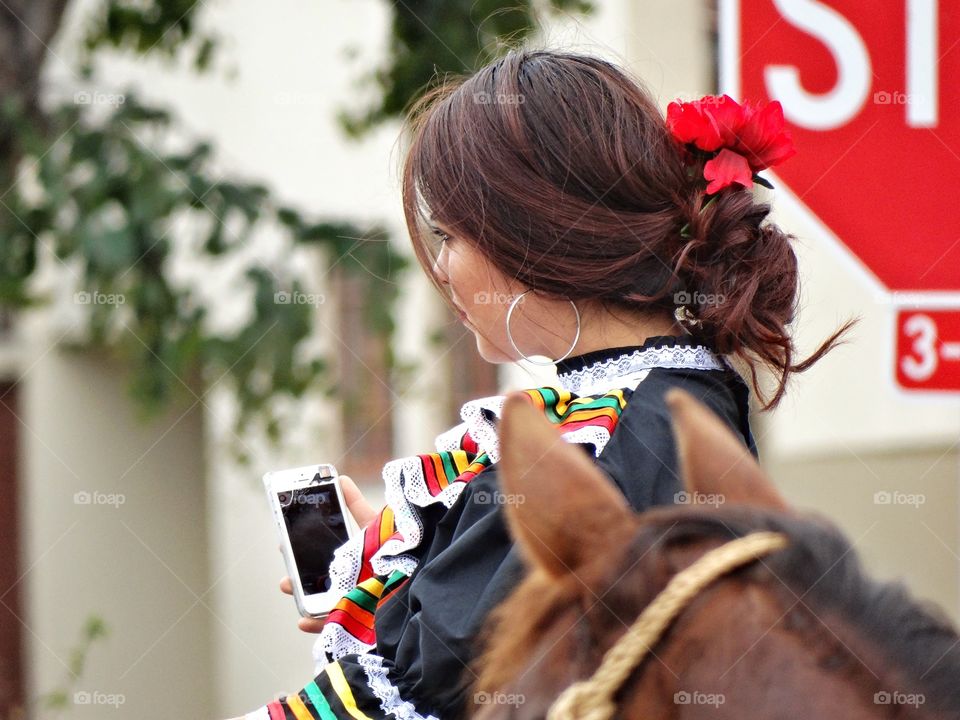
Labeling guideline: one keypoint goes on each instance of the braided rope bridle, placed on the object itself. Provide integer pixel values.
(592, 699)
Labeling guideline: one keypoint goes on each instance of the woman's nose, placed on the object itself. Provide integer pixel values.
(440, 266)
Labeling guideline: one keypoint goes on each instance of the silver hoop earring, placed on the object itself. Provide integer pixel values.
(514, 344)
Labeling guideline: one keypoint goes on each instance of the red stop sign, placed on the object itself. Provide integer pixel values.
(869, 91)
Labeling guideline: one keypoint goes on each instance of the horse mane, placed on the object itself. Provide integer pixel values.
(915, 637)
(917, 641)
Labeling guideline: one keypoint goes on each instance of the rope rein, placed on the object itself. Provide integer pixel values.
(592, 699)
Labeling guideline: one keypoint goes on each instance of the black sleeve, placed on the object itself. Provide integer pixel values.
(641, 455)
(429, 626)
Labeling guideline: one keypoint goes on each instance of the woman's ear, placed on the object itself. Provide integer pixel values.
(561, 508)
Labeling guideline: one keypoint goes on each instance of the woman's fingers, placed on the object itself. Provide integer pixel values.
(310, 625)
(361, 510)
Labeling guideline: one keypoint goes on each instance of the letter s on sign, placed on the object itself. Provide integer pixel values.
(837, 107)
(854, 73)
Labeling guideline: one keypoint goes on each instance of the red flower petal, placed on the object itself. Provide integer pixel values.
(688, 124)
(755, 134)
(764, 141)
(726, 169)
(727, 116)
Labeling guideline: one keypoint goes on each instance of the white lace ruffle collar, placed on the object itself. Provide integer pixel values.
(601, 370)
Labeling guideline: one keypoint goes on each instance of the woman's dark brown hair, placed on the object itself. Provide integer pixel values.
(560, 169)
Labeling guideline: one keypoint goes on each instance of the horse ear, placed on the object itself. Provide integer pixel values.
(713, 461)
(560, 507)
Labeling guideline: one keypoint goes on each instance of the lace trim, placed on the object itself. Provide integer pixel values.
(449, 440)
(388, 695)
(480, 415)
(345, 566)
(630, 369)
(477, 416)
(344, 573)
(336, 641)
(596, 436)
(406, 489)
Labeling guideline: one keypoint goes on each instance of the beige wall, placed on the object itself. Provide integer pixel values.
(898, 508)
(114, 516)
(273, 120)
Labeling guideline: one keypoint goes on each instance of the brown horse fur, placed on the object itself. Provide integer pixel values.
(799, 634)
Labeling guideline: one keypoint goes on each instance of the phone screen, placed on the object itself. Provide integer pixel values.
(316, 527)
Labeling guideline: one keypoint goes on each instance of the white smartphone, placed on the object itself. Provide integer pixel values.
(313, 521)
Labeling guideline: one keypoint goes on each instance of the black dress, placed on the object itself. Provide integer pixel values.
(466, 563)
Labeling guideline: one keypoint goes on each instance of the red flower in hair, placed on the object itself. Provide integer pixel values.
(741, 140)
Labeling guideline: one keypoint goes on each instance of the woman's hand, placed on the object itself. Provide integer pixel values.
(363, 512)
(307, 624)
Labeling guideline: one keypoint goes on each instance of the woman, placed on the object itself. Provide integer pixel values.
(561, 216)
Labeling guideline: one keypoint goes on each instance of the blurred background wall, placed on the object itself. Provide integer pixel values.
(159, 530)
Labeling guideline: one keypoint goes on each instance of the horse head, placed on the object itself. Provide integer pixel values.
(797, 631)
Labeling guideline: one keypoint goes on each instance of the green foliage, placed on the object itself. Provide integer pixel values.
(431, 38)
(59, 698)
(163, 27)
(99, 189)
(110, 205)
